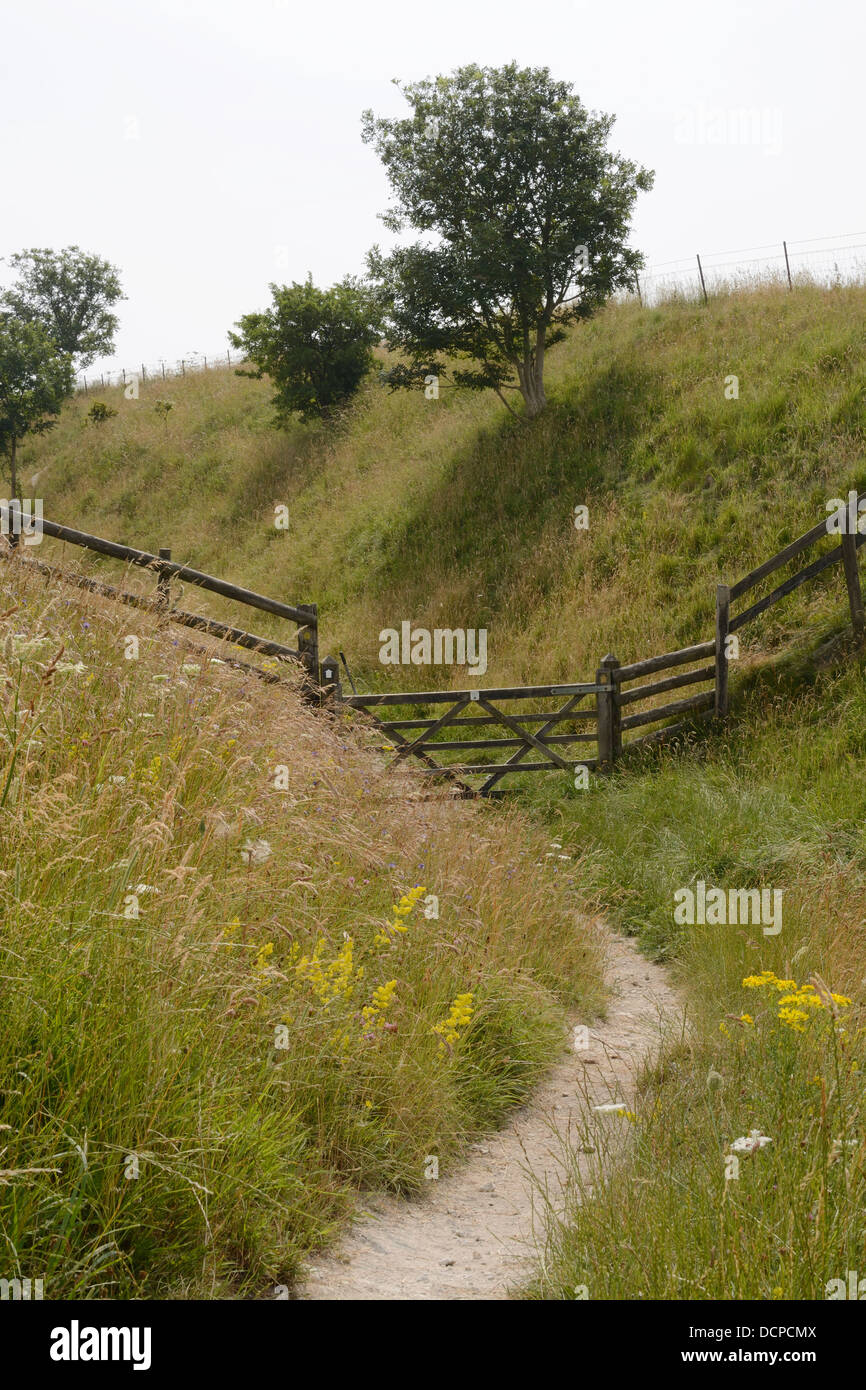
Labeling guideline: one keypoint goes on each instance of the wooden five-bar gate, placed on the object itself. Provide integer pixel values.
(541, 727)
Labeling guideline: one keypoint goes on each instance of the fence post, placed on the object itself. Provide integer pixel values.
(330, 679)
(308, 642)
(723, 617)
(163, 581)
(787, 265)
(852, 579)
(702, 285)
(607, 712)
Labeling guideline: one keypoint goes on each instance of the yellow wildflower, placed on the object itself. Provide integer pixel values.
(459, 1017)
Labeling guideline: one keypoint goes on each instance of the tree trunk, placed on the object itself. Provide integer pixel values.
(528, 390)
(530, 373)
(539, 366)
(14, 492)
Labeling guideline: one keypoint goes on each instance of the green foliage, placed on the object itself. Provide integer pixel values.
(71, 293)
(315, 345)
(162, 408)
(35, 380)
(99, 412)
(531, 213)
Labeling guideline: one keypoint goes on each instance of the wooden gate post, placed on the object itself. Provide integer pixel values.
(723, 618)
(608, 714)
(330, 679)
(852, 579)
(163, 582)
(308, 642)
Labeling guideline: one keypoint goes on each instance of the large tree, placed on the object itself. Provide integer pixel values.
(71, 293)
(530, 214)
(35, 380)
(315, 345)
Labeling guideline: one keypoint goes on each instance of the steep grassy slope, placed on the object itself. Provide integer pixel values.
(449, 513)
(242, 974)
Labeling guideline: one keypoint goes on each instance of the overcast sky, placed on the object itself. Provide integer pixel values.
(209, 147)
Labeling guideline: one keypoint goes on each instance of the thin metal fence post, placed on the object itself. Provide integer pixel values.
(701, 273)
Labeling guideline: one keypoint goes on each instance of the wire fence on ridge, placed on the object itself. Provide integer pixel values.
(780, 263)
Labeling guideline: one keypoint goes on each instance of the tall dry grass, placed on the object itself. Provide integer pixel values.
(215, 1030)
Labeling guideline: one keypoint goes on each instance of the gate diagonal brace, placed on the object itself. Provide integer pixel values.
(529, 738)
(434, 728)
(521, 753)
(395, 736)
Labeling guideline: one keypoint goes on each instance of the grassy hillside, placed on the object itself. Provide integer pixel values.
(242, 975)
(449, 513)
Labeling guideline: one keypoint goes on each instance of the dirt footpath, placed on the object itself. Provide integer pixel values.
(470, 1235)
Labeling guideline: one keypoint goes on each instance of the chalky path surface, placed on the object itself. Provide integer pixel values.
(470, 1235)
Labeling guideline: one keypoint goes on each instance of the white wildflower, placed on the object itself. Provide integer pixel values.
(747, 1144)
(256, 851)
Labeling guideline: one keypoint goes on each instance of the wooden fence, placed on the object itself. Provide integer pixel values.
(614, 707)
(165, 569)
(626, 697)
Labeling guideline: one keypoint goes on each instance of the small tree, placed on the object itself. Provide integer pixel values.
(531, 213)
(315, 345)
(71, 293)
(35, 379)
(99, 412)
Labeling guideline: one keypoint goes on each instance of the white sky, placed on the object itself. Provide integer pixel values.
(246, 163)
